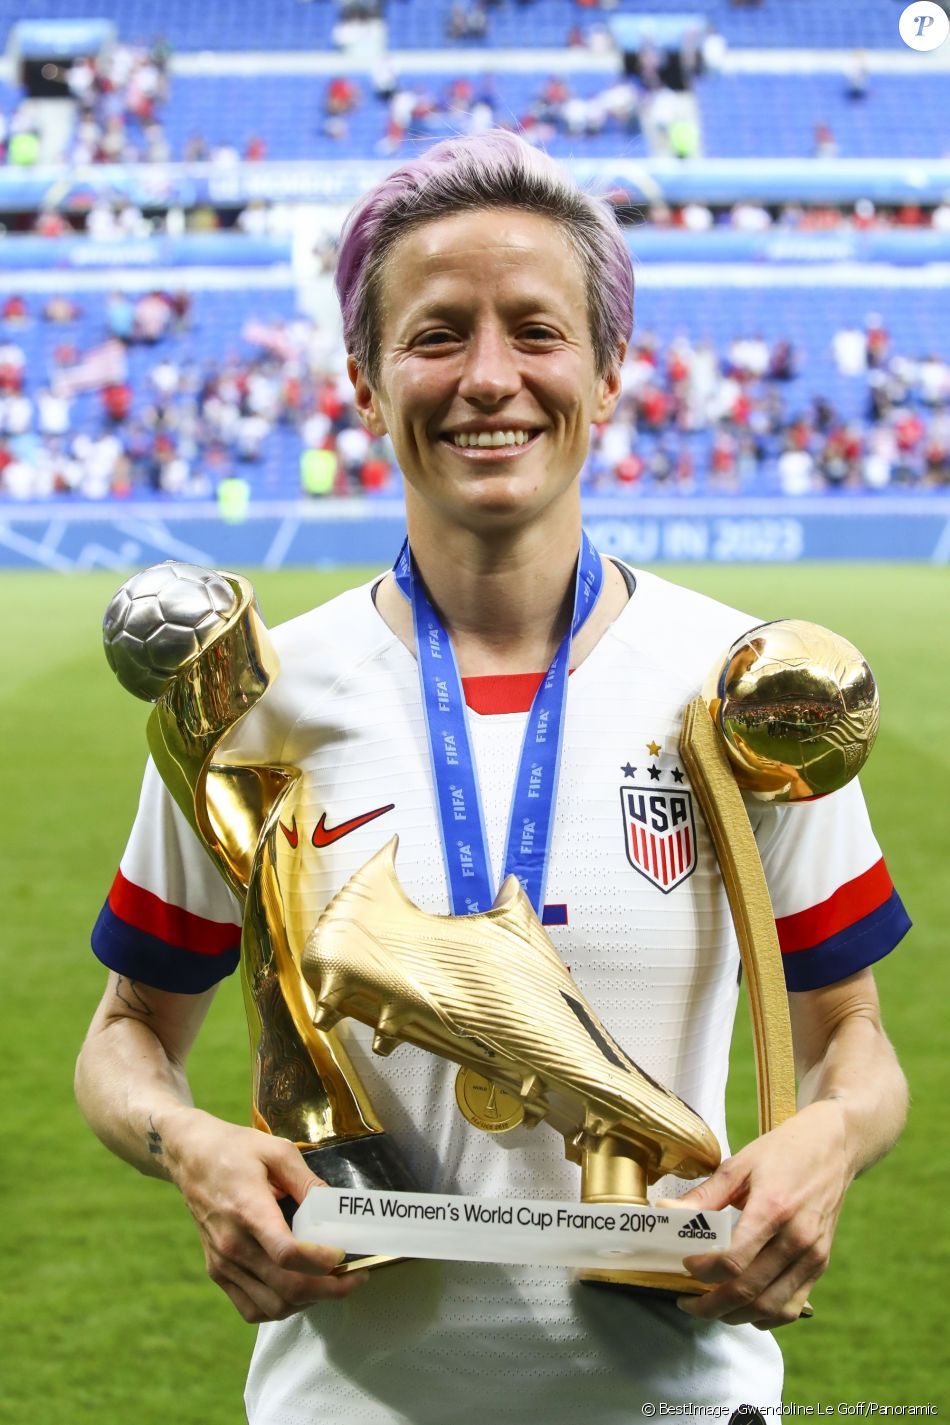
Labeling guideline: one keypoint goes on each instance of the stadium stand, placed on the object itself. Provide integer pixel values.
(746, 115)
(423, 24)
(738, 383)
(236, 388)
(753, 115)
(290, 114)
(597, 114)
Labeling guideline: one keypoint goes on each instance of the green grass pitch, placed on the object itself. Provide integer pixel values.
(106, 1316)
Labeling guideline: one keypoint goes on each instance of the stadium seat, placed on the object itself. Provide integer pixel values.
(421, 24)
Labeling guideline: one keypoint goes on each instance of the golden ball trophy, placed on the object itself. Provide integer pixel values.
(790, 713)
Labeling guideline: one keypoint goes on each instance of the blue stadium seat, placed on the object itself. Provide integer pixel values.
(287, 112)
(744, 116)
(774, 115)
(421, 24)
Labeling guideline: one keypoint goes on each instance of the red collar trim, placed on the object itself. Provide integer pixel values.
(502, 692)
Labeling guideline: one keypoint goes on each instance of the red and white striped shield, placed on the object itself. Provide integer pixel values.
(660, 833)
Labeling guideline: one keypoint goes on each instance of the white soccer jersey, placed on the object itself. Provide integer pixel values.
(640, 918)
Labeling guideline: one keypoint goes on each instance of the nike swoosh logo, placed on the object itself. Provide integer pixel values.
(324, 835)
(291, 835)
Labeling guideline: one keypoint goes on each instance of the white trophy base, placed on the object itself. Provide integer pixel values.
(614, 1236)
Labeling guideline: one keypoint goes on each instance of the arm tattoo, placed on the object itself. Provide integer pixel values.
(132, 998)
(154, 1139)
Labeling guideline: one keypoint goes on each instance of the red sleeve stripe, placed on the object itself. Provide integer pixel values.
(147, 912)
(848, 904)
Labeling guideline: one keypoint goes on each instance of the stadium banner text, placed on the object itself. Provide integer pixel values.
(708, 180)
(134, 534)
(907, 248)
(37, 254)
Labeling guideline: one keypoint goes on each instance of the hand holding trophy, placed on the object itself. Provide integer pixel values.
(192, 641)
(790, 713)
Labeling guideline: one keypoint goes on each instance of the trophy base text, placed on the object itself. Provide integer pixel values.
(616, 1238)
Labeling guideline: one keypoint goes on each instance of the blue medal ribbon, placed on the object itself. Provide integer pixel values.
(531, 818)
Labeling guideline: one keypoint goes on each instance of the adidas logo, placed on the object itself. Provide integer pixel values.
(697, 1227)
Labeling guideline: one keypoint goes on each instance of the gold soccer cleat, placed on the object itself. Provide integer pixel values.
(489, 992)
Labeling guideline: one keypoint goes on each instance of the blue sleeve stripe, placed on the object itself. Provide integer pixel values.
(850, 950)
(554, 914)
(154, 962)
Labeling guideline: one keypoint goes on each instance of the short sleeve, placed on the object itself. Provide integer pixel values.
(836, 909)
(170, 920)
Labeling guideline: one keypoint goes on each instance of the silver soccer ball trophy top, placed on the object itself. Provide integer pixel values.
(160, 620)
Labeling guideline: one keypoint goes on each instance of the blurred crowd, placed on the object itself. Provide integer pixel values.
(122, 92)
(466, 20)
(691, 417)
(111, 218)
(756, 436)
(118, 405)
(188, 427)
(753, 217)
(422, 112)
(119, 96)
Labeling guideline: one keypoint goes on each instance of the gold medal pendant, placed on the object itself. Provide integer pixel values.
(485, 1105)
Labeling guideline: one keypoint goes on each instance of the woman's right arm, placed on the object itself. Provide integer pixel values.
(132, 1088)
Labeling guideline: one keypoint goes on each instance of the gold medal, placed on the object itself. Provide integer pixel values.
(484, 1104)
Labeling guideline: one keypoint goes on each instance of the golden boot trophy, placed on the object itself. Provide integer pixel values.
(797, 712)
(192, 641)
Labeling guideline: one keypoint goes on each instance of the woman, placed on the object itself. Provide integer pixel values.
(487, 304)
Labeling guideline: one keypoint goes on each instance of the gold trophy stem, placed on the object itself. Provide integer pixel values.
(722, 806)
(720, 800)
(609, 1174)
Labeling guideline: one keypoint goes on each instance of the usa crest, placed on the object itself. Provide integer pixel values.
(660, 834)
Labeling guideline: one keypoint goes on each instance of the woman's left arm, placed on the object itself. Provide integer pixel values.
(790, 1183)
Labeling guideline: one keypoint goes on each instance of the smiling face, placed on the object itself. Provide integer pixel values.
(487, 380)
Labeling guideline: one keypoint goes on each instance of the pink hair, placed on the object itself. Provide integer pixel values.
(495, 170)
